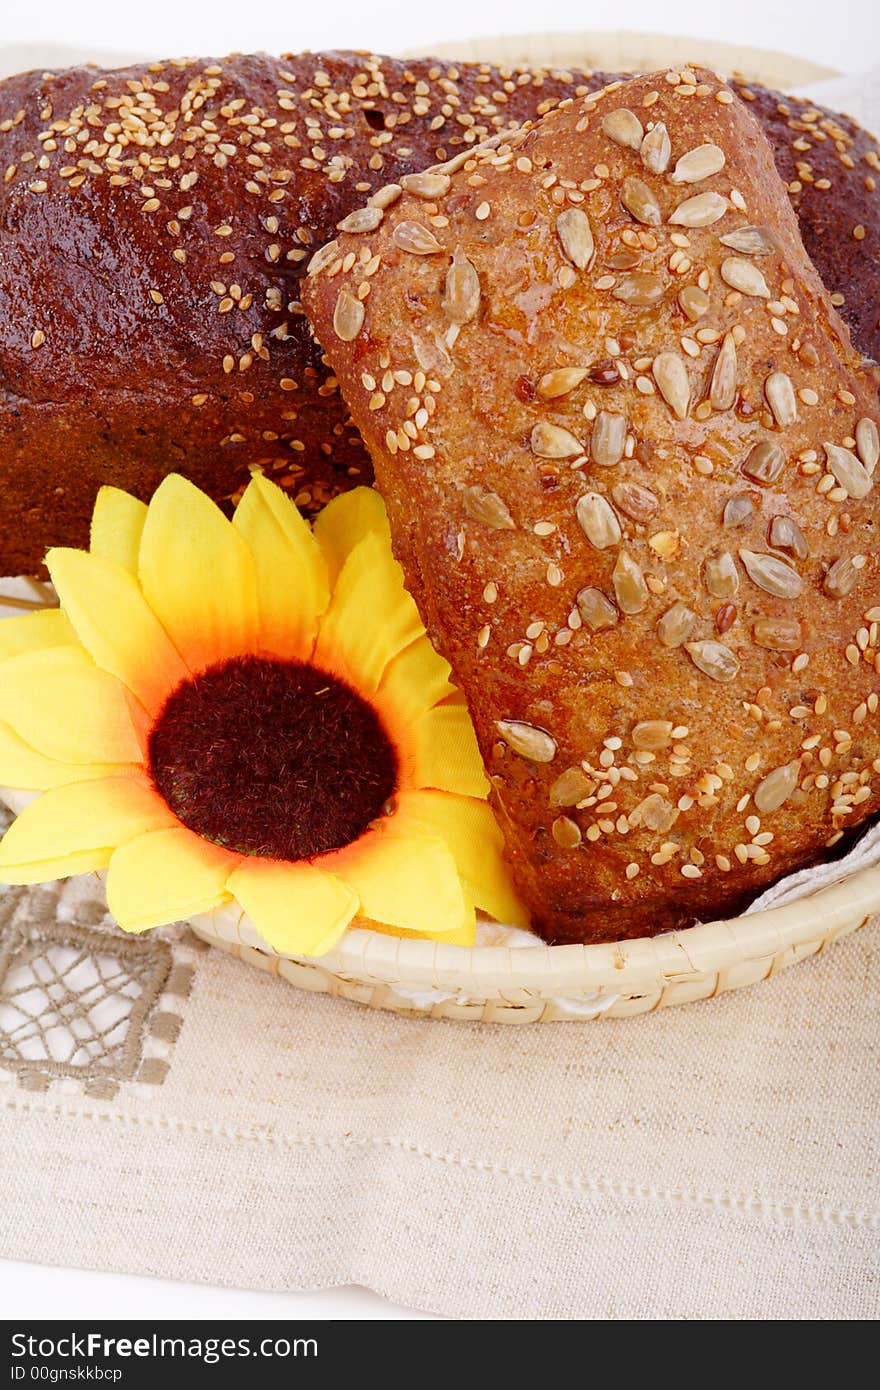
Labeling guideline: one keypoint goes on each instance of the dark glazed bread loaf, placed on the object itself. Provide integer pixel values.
(629, 458)
(155, 221)
(831, 168)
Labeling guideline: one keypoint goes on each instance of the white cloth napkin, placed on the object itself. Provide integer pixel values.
(855, 95)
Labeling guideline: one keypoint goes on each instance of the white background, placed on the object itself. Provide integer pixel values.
(843, 35)
(834, 33)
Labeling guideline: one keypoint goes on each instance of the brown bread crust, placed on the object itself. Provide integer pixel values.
(831, 168)
(653, 581)
(154, 224)
(102, 382)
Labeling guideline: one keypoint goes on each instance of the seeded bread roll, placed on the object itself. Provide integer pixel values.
(628, 453)
(155, 221)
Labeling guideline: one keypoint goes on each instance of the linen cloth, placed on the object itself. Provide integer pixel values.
(715, 1161)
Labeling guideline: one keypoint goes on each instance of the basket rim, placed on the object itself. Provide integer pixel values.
(639, 965)
(631, 49)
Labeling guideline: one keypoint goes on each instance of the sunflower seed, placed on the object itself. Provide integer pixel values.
(703, 210)
(652, 733)
(841, 578)
(624, 128)
(656, 149)
(778, 634)
(608, 438)
(560, 381)
(597, 521)
(738, 509)
(630, 588)
(764, 462)
(714, 660)
(722, 579)
(488, 508)
(527, 740)
(432, 355)
(384, 197)
(416, 238)
(722, 392)
(462, 299)
(426, 185)
(772, 574)
(743, 276)
(570, 787)
(348, 316)
(676, 625)
(775, 789)
(750, 241)
(566, 832)
(785, 534)
(654, 813)
(671, 377)
(850, 474)
(576, 236)
(597, 611)
(639, 288)
(781, 398)
(638, 200)
(635, 501)
(698, 164)
(868, 443)
(552, 442)
(361, 220)
(324, 257)
(694, 302)
(666, 544)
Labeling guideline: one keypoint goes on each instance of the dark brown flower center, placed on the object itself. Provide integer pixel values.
(272, 758)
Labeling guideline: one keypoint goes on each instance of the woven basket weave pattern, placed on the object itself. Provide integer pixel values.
(528, 1006)
(497, 984)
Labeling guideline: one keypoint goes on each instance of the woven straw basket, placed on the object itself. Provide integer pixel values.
(541, 984)
(531, 984)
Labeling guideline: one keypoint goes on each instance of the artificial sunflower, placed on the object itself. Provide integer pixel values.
(246, 710)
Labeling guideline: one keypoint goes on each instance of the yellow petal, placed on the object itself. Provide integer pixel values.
(446, 752)
(25, 769)
(292, 581)
(117, 523)
(371, 617)
(416, 680)
(85, 861)
(166, 876)
(474, 836)
(72, 829)
(48, 627)
(297, 908)
(344, 522)
(465, 937)
(61, 704)
(198, 575)
(404, 881)
(116, 625)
